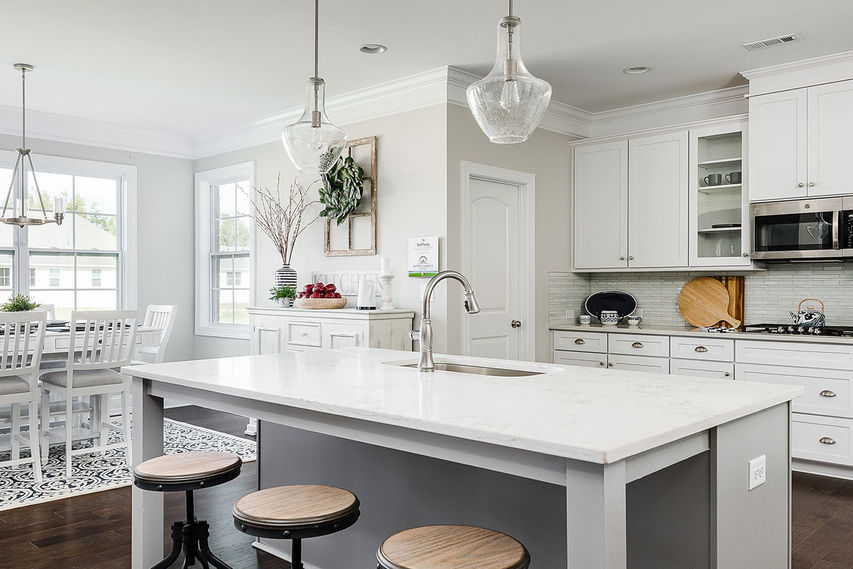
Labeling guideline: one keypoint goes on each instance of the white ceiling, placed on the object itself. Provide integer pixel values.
(191, 67)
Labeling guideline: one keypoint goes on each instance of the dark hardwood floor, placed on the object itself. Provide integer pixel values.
(93, 531)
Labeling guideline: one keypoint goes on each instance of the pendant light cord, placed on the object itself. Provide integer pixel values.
(23, 108)
(510, 8)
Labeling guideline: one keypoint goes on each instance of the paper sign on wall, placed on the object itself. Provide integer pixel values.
(423, 256)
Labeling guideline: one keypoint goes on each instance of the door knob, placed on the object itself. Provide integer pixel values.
(516, 324)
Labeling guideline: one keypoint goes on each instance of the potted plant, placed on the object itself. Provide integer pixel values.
(19, 303)
(283, 221)
(342, 189)
(284, 295)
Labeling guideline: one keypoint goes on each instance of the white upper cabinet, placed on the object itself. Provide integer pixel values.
(657, 201)
(777, 145)
(799, 142)
(830, 127)
(601, 206)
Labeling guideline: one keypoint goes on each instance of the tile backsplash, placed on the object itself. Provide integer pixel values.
(768, 296)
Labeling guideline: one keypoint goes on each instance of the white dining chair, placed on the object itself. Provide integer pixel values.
(20, 353)
(50, 309)
(103, 342)
(160, 317)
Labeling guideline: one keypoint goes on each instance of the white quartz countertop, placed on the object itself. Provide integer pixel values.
(587, 414)
(688, 331)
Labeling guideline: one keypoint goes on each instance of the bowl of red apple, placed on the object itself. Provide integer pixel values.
(320, 296)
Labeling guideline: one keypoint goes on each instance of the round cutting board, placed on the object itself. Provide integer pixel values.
(704, 301)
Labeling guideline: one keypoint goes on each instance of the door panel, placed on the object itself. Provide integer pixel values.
(657, 201)
(830, 124)
(494, 268)
(601, 206)
(777, 145)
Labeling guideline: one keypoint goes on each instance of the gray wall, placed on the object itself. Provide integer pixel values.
(165, 229)
(769, 295)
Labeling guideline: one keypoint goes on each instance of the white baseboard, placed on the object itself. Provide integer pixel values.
(281, 554)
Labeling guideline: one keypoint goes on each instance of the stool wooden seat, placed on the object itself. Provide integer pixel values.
(296, 512)
(186, 472)
(452, 547)
(187, 468)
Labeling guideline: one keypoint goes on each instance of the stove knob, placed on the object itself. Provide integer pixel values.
(781, 329)
(817, 331)
(791, 329)
(800, 329)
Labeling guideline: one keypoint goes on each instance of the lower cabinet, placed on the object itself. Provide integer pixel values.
(702, 368)
(821, 439)
(638, 363)
(583, 359)
(276, 330)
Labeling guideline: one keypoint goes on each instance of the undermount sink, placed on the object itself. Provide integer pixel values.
(479, 370)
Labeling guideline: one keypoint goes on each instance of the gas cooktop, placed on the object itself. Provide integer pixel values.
(793, 329)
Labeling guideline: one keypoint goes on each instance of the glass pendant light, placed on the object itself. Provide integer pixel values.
(313, 142)
(25, 158)
(509, 102)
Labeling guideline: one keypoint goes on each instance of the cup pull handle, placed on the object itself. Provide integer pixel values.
(827, 393)
(700, 349)
(827, 440)
(580, 341)
(637, 345)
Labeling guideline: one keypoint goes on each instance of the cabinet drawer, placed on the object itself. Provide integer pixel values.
(638, 345)
(800, 354)
(584, 359)
(581, 341)
(337, 336)
(827, 391)
(702, 368)
(304, 334)
(638, 363)
(713, 349)
(821, 439)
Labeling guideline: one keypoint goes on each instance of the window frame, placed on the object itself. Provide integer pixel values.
(126, 216)
(204, 326)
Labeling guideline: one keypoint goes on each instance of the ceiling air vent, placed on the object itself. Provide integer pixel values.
(779, 40)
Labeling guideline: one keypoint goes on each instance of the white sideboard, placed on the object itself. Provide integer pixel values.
(822, 419)
(276, 330)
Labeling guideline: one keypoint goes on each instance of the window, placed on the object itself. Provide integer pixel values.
(53, 263)
(5, 277)
(224, 237)
(96, 277)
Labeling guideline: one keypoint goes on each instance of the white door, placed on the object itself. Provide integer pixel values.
(495, 259)
(778, 145)
(830, 124)
(600, 190)
(657, 201)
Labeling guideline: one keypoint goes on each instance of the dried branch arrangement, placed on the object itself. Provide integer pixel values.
(284, 222)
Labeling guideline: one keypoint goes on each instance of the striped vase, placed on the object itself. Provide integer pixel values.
(285, 276)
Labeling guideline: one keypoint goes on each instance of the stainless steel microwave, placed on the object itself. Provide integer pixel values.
(802, 229)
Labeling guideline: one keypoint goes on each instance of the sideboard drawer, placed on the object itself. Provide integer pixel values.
(799, 354)
(702, 368)
(584, 359)
(581, 341)
(828, 391)
(714, 349)
(304, 334)
(638, 345)
(337, 336)
(821, 439)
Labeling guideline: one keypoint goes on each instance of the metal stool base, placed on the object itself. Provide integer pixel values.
(191, 537)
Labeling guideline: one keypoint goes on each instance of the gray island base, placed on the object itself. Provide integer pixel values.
(589, 469)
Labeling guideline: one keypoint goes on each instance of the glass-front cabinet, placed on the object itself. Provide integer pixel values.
(719, 213)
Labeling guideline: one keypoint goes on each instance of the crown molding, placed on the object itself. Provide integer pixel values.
(75, 130)
(797, 74)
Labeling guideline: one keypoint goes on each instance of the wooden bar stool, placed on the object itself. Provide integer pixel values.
(296, 513)
(185, 472)
(451, 547)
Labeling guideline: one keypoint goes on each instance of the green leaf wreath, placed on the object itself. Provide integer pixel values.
(342, 189)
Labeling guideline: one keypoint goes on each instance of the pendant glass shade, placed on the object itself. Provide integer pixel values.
(509, 102)
(313, 143)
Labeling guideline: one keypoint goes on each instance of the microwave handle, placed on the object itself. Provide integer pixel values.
(836, 219)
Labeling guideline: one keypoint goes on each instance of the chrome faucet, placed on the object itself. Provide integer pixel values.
(424, 334)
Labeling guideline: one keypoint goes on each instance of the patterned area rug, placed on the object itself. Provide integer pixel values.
(104, 471)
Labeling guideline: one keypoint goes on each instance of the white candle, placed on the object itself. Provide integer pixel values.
(386, 266)
(59, 204)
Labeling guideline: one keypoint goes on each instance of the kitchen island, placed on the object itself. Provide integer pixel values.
(643, 463)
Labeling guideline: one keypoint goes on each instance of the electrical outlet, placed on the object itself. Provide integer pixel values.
(570, 314)
(757, 471)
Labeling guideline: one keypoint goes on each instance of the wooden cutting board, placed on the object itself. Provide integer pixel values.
(704, 301)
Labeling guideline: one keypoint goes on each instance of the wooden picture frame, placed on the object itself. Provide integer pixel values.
(363, 151)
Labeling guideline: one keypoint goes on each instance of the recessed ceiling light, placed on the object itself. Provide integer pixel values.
(637, 70)
(373, 48)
